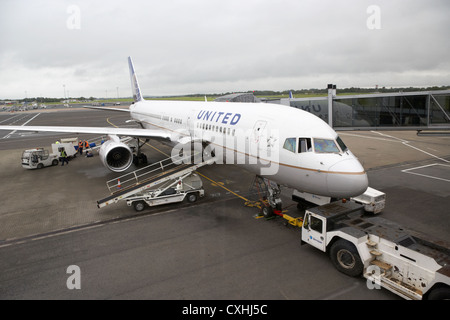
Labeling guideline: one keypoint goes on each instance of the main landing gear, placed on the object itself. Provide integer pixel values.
(139, 157)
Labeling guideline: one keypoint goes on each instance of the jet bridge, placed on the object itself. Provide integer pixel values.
(419, 110)
(162, 175)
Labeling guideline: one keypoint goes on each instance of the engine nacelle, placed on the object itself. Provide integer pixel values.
(116, 155)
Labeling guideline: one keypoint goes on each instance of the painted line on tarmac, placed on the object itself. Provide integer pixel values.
(426, 175)
(14, 131)
(406, 143)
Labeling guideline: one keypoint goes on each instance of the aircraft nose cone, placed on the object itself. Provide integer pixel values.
(347, 178)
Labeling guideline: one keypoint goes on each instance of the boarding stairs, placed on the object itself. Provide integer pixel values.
(157, 174)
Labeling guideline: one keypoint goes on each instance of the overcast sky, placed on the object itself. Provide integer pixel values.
(216, 46)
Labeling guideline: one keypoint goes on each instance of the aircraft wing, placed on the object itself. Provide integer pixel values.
(131, 132)
(107, 108)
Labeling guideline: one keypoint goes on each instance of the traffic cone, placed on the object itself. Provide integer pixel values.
(118, 184)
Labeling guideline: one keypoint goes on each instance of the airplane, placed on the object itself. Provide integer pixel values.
(285, 144)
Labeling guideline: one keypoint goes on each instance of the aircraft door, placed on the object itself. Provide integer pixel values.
(257, 136)
(190, 124)
(258, 130)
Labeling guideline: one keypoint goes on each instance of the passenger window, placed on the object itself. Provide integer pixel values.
(290, 144)
(304, 145)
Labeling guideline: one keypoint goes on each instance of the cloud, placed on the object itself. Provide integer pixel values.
(212, 46)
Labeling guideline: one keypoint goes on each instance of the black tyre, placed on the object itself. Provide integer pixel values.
(139, 205)
(40, 166)
(191, 197)
(439, 293)
(346, 259)
(267, 211)
(55, 162)
(143, 159)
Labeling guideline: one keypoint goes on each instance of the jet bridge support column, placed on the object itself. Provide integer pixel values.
(331, 95)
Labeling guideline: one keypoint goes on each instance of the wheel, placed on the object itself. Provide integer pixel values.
(135, 160)
(346, 259)
(139, 205)
(55, 162)
(439, 293)
(192, 197)
(267, 211)
(40, 166)
(144, 159)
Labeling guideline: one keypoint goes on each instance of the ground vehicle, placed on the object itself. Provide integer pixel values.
(411, 266)
(373, 200)
(68, 144)
(161, 182)
(38, 158)
(190, 188)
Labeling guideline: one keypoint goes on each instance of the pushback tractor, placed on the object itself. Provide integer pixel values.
(412, 266)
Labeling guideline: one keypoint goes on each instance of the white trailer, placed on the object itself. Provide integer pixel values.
(69, 145)
(411, 266)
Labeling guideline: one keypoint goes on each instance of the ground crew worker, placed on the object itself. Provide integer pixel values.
(86, 145)
(64, 157)
(80, 147)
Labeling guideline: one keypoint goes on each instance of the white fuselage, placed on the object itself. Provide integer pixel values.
(285, 144)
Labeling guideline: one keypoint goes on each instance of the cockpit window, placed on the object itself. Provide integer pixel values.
(304, 145)
(341, 144)
(290, 144)
(325, 146)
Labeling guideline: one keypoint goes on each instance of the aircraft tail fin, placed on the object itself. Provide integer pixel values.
(137, 96)
(291, 96)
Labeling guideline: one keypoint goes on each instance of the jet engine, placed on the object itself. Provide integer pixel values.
(116, 155)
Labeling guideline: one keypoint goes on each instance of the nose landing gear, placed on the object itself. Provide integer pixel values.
(268, 194)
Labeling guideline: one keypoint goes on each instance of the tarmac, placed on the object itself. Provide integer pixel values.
(216, 248)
